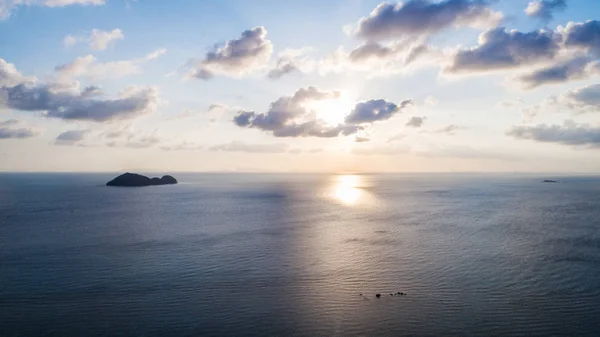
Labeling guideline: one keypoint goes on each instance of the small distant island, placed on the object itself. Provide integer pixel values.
(138, 180)
(549, 181)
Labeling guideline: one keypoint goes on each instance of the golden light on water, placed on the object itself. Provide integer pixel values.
(347, 189)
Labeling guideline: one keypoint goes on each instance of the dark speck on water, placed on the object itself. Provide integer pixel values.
(285, 255)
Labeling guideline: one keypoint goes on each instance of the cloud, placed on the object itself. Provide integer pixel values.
(375, 110)
(290, 61)
(97, 39)
(502, 49)
(396, 138)
(183, 146)
(577, 68)
(237, 146)
(290, 116)
(237, 57)
(9, 75)
(8, 130)
(142, 141)
(371, 50)
(510, 103)
(7, 6)
(448, 129)
(73, 137)
(422, 18)
(127, 136)
(584, 35)
(543, 9)
(359, 139)
(9, 122)
(586, 99)
(378, 60)
(89, 67)
(74, 104)
(431, 101)
(415, 122)
(577, 101)
(570, 133)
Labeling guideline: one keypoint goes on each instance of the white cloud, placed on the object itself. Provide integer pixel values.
(89, 67)
(97, 39)
(7, 6)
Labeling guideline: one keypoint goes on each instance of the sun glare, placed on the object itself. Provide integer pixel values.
(346, 189)
(333, 111)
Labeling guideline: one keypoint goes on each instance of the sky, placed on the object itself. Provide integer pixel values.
(300, 86)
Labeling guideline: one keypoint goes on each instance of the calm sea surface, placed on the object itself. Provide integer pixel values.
(267, 254)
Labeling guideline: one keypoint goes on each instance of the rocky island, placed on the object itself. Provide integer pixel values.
(138, 180)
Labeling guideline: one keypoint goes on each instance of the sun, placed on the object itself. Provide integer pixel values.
(333, 111)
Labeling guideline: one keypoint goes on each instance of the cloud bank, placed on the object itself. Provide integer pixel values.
(570, 133)
(69, 102)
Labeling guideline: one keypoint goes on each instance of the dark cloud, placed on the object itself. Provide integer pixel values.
(375, 110)
(416, 122)
(420, 18)
(8, 130)
(237, 146)
(586, 99)
(574, 69)
(569, 133)
(502, 49)
(238, 56)
(77, 105)
(72, 137)
(582, 35)
(67, 101)
(544, 9)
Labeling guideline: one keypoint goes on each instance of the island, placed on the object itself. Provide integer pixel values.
(138, 180)
(549, 181)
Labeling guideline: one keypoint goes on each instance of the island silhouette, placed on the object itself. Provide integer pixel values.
(138, 180)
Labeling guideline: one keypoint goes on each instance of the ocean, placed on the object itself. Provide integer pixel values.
(300, 255)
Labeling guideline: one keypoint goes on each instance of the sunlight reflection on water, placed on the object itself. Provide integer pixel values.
(347, 189)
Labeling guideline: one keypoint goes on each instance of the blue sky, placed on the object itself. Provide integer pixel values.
(111, 85)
